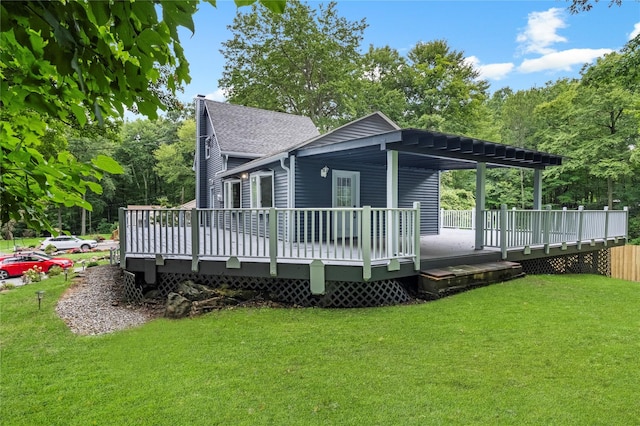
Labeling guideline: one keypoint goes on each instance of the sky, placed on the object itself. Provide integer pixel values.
(520, 44)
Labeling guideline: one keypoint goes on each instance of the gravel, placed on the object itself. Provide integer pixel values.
(94, 304)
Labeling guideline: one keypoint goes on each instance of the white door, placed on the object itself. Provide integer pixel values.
(346, 193)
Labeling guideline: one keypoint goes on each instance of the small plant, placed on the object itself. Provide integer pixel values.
(33, 275)
(92, 263)
(50, 249)
(54, 271)
(7, 286)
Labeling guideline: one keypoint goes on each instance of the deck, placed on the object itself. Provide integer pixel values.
(360, 244)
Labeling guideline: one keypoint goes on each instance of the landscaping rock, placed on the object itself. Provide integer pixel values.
(177, 306)
(193, 291)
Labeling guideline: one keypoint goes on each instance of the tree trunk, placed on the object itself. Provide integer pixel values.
(610, 192)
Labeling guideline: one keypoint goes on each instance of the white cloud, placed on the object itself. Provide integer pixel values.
(635, 32)
(541, 31)
(219, 95)
(490, 71)
(561, 61)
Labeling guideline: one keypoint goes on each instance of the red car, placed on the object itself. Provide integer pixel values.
(17, 264)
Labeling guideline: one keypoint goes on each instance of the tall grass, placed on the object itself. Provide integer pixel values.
(540, 350)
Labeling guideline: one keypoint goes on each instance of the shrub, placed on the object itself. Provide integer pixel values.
(50, 249)
(92, 263)
(54, 271)
(7, 286)
(33, 275)
(105, 227)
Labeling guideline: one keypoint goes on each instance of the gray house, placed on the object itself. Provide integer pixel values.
(350, 217)
(263, 159)
(231, 135)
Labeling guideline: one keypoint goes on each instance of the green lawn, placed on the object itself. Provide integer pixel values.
(539, 350)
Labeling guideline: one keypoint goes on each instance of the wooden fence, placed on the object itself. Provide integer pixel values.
(625, 263)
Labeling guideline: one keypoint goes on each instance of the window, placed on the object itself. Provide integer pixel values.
(207, 147)
(262, 190)
(232, 194)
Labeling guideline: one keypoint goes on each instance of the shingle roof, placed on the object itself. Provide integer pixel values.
(256, 131)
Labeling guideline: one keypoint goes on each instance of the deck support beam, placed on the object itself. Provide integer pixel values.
(481, 177)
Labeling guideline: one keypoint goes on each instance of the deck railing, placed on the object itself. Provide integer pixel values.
(360, 236)
(458, 219)
(508, 229)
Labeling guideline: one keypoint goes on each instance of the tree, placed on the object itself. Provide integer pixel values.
(578, 6)
(174, 164)
(302, 61)
(443, 90)
(84, 61)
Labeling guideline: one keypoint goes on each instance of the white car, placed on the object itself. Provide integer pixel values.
(66, 242)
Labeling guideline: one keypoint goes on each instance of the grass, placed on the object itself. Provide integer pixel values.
(539, 350)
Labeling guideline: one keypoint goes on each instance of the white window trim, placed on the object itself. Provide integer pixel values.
(259, 192)
(228, 193)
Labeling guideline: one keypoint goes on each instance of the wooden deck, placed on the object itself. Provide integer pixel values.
(380, 243)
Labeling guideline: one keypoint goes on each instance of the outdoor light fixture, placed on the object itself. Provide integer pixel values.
(244, 176)
(324, 171)
(66, 273)
(40, 294)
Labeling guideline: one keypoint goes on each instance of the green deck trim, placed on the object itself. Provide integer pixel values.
(316, 274)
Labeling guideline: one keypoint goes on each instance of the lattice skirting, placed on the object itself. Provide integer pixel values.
(339, 294)
(132, 292)
(595, 262)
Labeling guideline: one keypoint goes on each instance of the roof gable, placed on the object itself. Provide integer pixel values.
(370, 125)
(255, 131)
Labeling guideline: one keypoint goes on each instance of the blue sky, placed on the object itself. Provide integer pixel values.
(520, 44)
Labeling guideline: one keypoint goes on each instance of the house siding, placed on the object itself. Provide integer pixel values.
(423, 186)
(413, 185)
(369, 126)
(201, 165)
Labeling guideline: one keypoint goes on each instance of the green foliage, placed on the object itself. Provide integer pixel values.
(456, 199)
(54, 271)
(303, 61)
(75, 63)
(173, 164)
(7, 286)
(539, 350)
(33, 275)
(50, 249)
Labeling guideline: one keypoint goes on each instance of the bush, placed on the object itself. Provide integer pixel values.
(7, 286)
(54, 271)
(50, 249)
(33, 275)
(105, 227)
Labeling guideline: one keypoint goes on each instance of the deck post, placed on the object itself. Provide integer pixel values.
(366, 243)
(546, 223)
(392, 202)
(606, 224)
(273, 242)
(416, 236)
(122, 235)
(580, 225)
(626, 222)
(195, 239)
(503, 230)
(481, 172)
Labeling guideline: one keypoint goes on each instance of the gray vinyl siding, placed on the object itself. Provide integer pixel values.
(369, 126)
(413, 185)
(214, 165)
(233, 162)
(423, 186)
